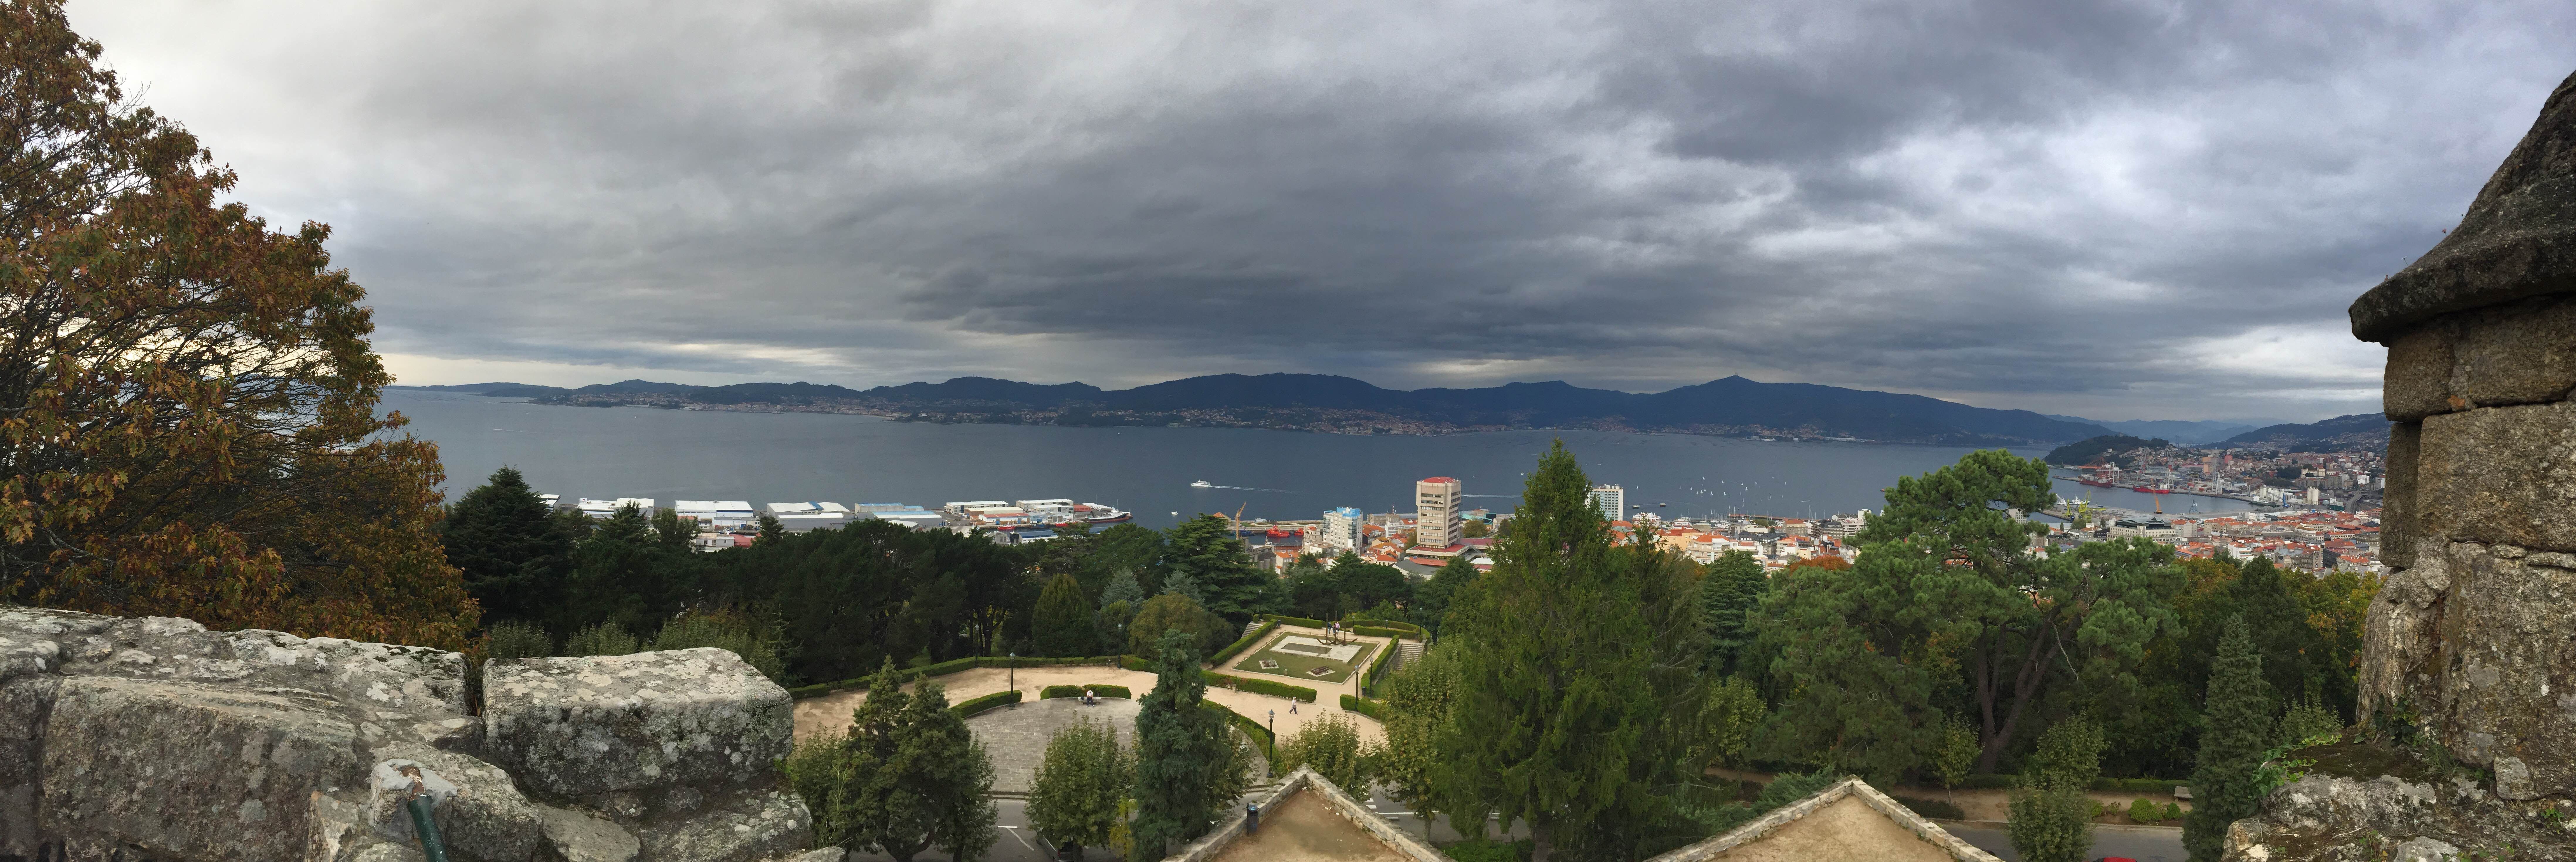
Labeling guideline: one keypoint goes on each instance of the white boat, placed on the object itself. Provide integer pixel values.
(1202, 483)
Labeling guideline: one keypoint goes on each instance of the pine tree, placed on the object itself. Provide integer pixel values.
(1206, 549)
(1585, 665)
(1727, 593)
(1062, 624)
(906, 776)
(2224, 788)
(511, 549)
(1182, 752)
(1122, 588)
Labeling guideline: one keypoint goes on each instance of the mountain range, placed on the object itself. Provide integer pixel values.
(2342, 433)
(1318, 402)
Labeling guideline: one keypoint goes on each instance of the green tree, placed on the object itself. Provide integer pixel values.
(1173, 612)
(512, 550)
(754, 639)
(1122, 587)
(1076, 790)
(1330, 745)
(2052, 819)
(905, 777)
(1947, 591)
(1432, 598)
(1586, 661)
(1135, 549)
(1735, 709)
(1206, 549)
(1955, 753)
(1418, 699)
(601, 639)
(2225, 787)
(771, 529)
(192, 425)
(1728, 594)
(626, 572)
(1064, 625)
(505, 641)
(1183, 752)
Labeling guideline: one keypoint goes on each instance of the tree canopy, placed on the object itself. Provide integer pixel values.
(188, 421)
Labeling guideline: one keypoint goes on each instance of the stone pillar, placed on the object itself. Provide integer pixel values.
(2474, 638)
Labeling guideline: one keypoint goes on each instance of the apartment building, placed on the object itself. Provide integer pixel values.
(1435, 504)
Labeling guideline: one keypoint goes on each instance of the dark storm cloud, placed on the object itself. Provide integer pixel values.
(2114, 208)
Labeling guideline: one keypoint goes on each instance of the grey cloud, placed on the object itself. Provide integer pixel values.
(2036, 204)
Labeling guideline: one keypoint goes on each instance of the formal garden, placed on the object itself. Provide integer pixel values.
(1309, 658)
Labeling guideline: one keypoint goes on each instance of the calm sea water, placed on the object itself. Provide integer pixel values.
(766, 457)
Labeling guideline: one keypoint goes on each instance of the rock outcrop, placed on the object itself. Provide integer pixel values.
(2467, 742)
(155, 739)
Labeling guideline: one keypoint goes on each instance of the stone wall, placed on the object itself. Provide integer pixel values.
(2468, 674)
(155, 739)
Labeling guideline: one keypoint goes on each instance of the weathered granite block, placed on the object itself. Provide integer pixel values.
(2329, 818)
(2398, 529)
(2418, 381)
(2475, 641)
(2517, 353)
(189, 770)
(585, 728)
(2499, 475)
(746, 828)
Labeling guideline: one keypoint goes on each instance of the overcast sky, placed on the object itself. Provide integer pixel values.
(2116, 210)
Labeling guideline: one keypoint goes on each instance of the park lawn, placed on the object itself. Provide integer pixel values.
(1294, 665)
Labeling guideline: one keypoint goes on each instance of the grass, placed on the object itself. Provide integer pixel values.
(1296, 665)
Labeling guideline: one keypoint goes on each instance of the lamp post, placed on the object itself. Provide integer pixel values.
(1015, 673)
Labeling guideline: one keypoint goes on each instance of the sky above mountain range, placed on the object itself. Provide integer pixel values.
(2110, 209)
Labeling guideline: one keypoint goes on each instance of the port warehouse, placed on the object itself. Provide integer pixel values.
(1013, 520)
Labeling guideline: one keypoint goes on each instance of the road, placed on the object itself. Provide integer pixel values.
(2143, 843)
(1020, 844)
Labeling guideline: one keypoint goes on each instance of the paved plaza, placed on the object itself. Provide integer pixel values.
(1016, 736)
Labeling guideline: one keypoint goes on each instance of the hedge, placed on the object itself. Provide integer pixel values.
(1053, 691)
(1933, 808)
(1990, 781)
(1356, 620)
(1377, 668)
(1260, 735)
(1365, 706)
(1375, 632)
(1239, 646)
(971, 708)
(1259, 686)
(943, 669)
(1295, 621)
(1135, 663)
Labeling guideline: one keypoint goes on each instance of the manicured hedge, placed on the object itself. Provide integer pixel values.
(1933, 808)
(1260, 735)
(1383, 624)
(970, 708)
(945, 668)
(1295, 621)
(1364, 706)
(1052, 691)
(1377, 668)
(1239, 646)
(1135, 663)
(1989, 781)
(1259, 686)
(1375, 632)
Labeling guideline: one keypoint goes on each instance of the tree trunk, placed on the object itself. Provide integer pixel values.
(1542, 842)
(2026, 682)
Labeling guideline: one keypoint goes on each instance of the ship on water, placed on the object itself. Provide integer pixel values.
(1202, 483)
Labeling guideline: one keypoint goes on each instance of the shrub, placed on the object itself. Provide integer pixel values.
(1936, 809)
(600, 639)
(2309, 722)
(1245, 642)
(756, 641)
(1261, 686)
(1099, 690)
(2173, 811)
(971, 708)
(1487, 850)
(1364, 706)
(1955, 754)
(2051, 825)
(2145, 811)
(1299, 621)
(2069, 756)
(512, 640)
(1135, 663)
(1330, 745)
(1375, 632)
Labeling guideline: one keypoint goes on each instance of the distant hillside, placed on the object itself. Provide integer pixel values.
(1319, 402)
(2357, 432)
(2179, 431)
(2113, 448)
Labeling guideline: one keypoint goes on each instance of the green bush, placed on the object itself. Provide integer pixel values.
(517, 640)
(971, 708)
(1375, 632)
(2053, 825)
(1240, 645)
(2173, 811)
(1376, 670)
(1487, 850)
(1259, 734)
(2137, 785)
(1364, 706)
(1330, 745)
(1055, 691)
(1362, 618)
(756, 641)
(1135, 664)
(2144, 811)
(1990, 781)
(1260, 686)
(1936, 809)
(1297, 621)
(1955, 754)
(600, 639)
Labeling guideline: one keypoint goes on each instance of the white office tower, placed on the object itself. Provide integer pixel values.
(1435, 506)
(1340, 532)
(1612, 500)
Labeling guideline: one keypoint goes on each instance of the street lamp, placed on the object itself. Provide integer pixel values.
(1015, 673)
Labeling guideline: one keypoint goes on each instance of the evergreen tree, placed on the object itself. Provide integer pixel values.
(1173, 612)
(624, 572)
(1122, 588)
(1063, 625)
(2278, 621)
(1330, 745)
(1182, 752)
(771, 529)
(511, 548)
(2225, 788)
(1181, 583)
(905, 777)
(673, 532)
(1076, 790)
(1585, 666)
(1418, 699)
(1136, 549)
(2052, 818)
(1206, 549)
(1432, 599)
(1727, 594)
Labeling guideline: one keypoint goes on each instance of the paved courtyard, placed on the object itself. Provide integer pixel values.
(1016, 736)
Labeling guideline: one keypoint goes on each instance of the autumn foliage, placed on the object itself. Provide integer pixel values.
(188, 419)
